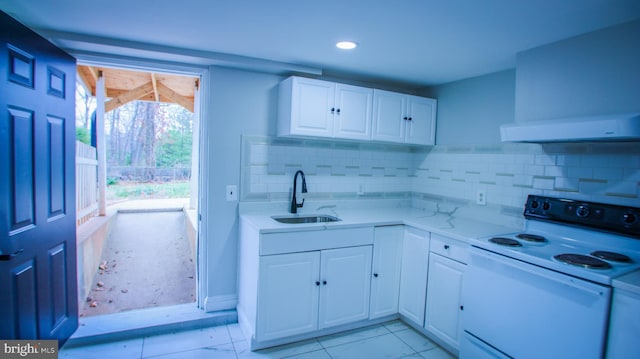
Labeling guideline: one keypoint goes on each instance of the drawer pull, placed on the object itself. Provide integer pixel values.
(446, 246)
(324, 282)
(317, 283)
(375, 275)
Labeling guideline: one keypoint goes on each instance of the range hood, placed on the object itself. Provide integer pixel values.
(624, 127)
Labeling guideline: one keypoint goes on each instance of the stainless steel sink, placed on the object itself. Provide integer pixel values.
(315, 218)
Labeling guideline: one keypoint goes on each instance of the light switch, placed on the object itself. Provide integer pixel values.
(232, 192)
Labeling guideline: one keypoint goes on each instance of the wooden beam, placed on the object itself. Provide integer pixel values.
(156, 94)
(175, 97)
(89, 76)
(129, 96)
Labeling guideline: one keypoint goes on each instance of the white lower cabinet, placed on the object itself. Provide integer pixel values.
(304, 292)
(345, 285)
(385, 270)
(288, 292)
(624, 324)
(444, 305)
(413, 276)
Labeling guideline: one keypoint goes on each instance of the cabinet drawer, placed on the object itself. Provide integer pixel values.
(303, 241)
(449, 248)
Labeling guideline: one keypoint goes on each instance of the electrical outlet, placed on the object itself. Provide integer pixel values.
(481, 197)
(232, 192)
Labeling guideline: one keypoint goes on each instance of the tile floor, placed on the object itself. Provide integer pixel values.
(388, 340)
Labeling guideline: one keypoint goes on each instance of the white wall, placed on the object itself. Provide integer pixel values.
(241, 102)
(592, 74)
(471, 111)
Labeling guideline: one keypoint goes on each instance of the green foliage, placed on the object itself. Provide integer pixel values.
(111, 181)
(174, 148)
(82, 135)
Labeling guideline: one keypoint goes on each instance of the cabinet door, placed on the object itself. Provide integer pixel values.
(346, 278)
(288, 295)
(388, 116)
(385, 280)
(443, 312)
(421, 126)
(413, 275)
(311, 104)
(352, 118)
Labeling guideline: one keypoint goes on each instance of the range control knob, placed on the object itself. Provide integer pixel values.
(582, 211)
(535, 204)
(546, 206)
(629, 218)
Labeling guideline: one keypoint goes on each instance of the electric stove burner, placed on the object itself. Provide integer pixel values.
(531, 237)
(505, 242)
(612, 256)
(583, 261)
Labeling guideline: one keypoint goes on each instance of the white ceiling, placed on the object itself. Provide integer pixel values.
(414, 42)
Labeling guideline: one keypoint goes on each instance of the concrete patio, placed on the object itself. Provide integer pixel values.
(147, 260)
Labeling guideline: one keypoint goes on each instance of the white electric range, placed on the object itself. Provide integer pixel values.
(546, 291)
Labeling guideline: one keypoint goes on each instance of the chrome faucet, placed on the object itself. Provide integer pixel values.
(294, 203)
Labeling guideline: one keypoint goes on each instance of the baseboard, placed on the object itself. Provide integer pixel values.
(220, 302)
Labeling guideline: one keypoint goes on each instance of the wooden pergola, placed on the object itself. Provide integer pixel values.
(123, 86)
(115, 87)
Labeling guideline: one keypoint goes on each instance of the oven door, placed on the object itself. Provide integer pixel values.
(526, 311)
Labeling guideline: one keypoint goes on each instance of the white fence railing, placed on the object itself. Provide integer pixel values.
(86, 183)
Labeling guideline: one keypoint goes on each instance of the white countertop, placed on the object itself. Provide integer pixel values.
(629, 282)
(459, 228)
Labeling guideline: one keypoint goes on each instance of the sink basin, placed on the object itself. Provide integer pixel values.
(315, 218)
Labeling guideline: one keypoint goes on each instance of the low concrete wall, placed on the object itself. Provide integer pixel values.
(90, 239)
(191, 224)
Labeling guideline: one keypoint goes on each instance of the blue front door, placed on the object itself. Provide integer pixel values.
(38, 290)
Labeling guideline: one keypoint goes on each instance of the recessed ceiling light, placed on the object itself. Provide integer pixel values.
(346, 45)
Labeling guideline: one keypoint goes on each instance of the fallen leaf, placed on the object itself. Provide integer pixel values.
(94, 304)
(89, 299)
(100, 284)
(125, 290)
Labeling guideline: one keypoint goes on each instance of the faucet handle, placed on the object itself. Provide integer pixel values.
(299, 205)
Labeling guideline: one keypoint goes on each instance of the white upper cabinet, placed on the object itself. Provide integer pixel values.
(318, 108)
(403, 118)
(324, 109)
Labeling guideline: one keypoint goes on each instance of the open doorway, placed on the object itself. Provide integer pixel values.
(146, 255)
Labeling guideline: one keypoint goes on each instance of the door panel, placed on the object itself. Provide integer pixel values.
(37, 187)
(20, 168)
(56, 166)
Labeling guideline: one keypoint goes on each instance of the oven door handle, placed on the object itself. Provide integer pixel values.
(493, 261)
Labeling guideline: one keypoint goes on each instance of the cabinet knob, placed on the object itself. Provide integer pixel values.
(317, 283)
(324, 282)
(409, 119)
(446, 246)
(405, 118)
(375, 275)
(338, 111)
(462, 307)
(333, 110)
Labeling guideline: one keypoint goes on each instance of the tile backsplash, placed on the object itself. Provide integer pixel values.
(332, 169)
(598, 172)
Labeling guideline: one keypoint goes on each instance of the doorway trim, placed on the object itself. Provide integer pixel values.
(124, 62)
